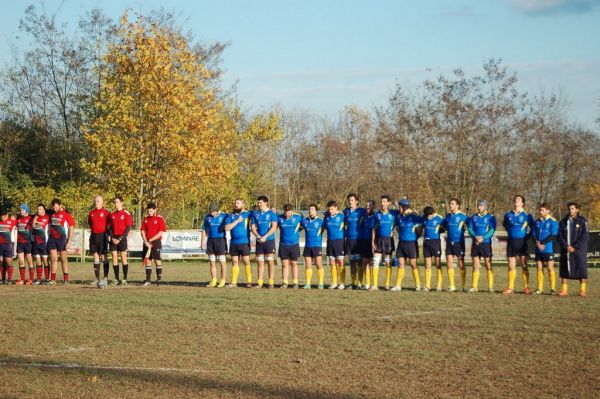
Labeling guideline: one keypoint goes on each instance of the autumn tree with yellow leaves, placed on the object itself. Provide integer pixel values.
(163, 133)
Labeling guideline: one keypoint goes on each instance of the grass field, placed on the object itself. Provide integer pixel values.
(184, 340)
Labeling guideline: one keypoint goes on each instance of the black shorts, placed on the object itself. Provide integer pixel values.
(482, 250)
(289, 252)
(265, 248)
(239, 250)
(366, 249)
(516, 247)
(58, 244)
(39, 249)
(6, 251)
(456, 248)
(155, 251)
(335, 248)
(216, 246)
(98, 243)
(407, 249)
(384, 245)
(432, 248)
(541, 257)
(312, 252)
(24, 248)
(352, 247)
(121, 246)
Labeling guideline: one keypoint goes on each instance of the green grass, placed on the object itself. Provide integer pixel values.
(287, 343)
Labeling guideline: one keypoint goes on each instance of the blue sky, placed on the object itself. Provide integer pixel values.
(323, 55)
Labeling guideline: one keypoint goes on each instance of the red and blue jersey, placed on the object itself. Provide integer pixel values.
(313, 229)
(353, 219)
(24, 229)
(240, 234)
(6, 230)
(289, 229)
(40, 229)
(482, 225)
(214, 226)
(455, 225)
(545, 231)
(517, 225)
(60, 223)
(334, 224)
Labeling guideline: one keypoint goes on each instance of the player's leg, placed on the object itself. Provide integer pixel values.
(415, 273)
(270, 258)
(339, 262)
(3, 269)
(294, 267)
(512, 275)
(524, 273)
(124, 262)
(247, 268)
(96, 264)
(158, 261)
(552, 275)
(285, 272)
(53, 265)
(475, 276)
(427, 261)
(366, 267)
(353, 268)
(375, 271)
(490, 273)
(21, 263)
(222, 258)
(333, 268)
(540, 276)
(38, 269)
(318, 260)
(308, 271)
(260, 259)
(399, 274)
(64, 261)
(461, 266)
(30, 264)
(450, 272)
(582, 287)
(235, 268)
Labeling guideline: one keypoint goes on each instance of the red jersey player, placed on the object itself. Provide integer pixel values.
(24, 244)
(120, 222)
(7, 229)
(61, 233)
(153, 228)
(98, 221)
(40, 241)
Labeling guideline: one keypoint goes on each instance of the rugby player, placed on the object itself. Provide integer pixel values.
(98, 219)
(481, 227)
(264, 224)
(40, 226)
(381, 242)
(334, 225)
(432, 247)
(238, 225)
(213, 230)
(313, 246)
(353, 216)
(517, 223)
(573, 238)
(62, 228)
(455, 224)
(289, 244)
(24, 246)
(8, 227)
(544, 232)
(364, 243)
(408, 224)
(119, 224)
(152, 229)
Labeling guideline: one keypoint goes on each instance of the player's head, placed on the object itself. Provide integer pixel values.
(332, 207)
(98, 201)
(151, 208)
(41, 209)
(312, 210)
(119, 202)
(238, 205)
(262, 202)
(4, 213)
(352, 200)
(482, 206)
(288, 210)
(454, 204)
(385, 202)
(213, 208)
(544, 209)
(573, 208)
(428, 211)
(370, 207)
(56, 204)
(24, 209)
(519, 201)
(404, 204)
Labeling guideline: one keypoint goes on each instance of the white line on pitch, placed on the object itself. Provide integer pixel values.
(87, 367)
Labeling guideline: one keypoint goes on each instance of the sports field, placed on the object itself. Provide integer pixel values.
(184, 340)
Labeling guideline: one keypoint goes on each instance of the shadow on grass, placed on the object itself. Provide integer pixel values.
(171, 379)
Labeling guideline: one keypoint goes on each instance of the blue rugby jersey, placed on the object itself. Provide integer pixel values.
(455, 224)
(384, 224)
(240, 234)
(313, 232)
(544, 231)
(366, 227)
(353, 218)
(517, 225)
(289, 229)
(214, 226)
(482, 225)
(432, 227)
(334, 226)
(407, 226)
(262, 221)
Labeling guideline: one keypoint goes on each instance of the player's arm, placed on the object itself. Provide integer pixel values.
(230, 226)
(491, 229)
(470, 228)
(274, 225)
(162, 229)
(71, 231)
(373, 237)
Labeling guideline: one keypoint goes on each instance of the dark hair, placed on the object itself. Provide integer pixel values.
(4, 211)
(455, 200)
(151, 205)
(55, 201)
(118, 197)
(42, 205)
(519, 196)
(371, 202)
(352, 195)
(544, 205)
(428, 210)
(287, 207)
(332, 203)
(313, 206)
(573, 203)
(263, 198)
(387, 197)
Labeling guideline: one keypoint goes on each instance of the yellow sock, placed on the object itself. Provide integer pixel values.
(295, 281)
(248, 270)
(540, 278)
(354, 277)
(367, 275)
(375, 281)
(525, 275)
(399, 276)
(222, 283)
(438, 278)
(342, 274)
(451, 281)
(260, 283)
(308, 274)
(512, 275)
(552, 280)
(416, 276)
(476, 279)
(564, 287)
(582, 287)
(271, 281)
(213, 282)
(388, 276)
(463, 277)
(321, 275)
(360, 277)
(285, 281)
(334, 275)
(428, 278)
(235, 272)
(490, 276)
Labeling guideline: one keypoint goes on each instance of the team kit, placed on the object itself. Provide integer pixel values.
(369, 237)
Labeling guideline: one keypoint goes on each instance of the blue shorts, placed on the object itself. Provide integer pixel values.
(455, 248)
(366, 249)
(384, 245)
(265, 248)
(24, 248)
(482, 250)
(312, 252)
(239, 250)
(516, 247)
(352, 247)
(6, 251)
(432, 248)
(58, 244)
(289, 252)
(407, 249)
(39, 249)
(216, 246)
(335, 248)
(543, 257)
